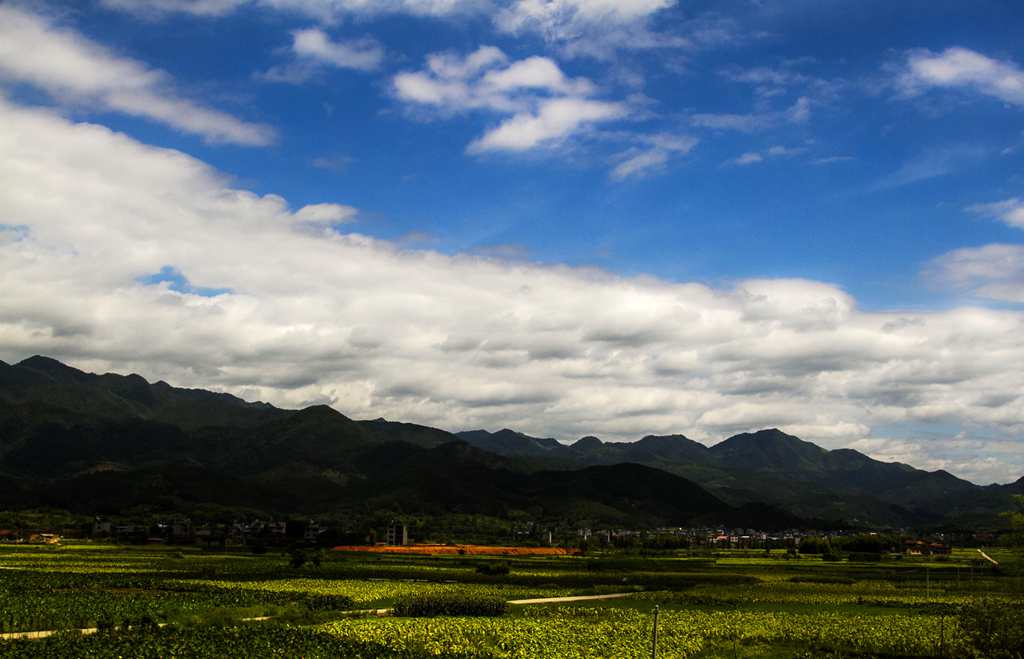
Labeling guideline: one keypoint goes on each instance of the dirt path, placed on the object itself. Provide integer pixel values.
(572, 598)
(15, 636)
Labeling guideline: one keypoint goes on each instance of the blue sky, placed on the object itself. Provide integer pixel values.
(861, 157)
(867, 222)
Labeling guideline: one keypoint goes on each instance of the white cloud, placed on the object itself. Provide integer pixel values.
(568, 21)
(335, 9)
(325, 10)
(557, 19)
(785, 79)
(75, 70)
(832, 160)
(333, 213)
(554, 119)
(362, 54)
(755, 157)
(981, 460)
(994, 272)
(798, 113)
(312, 49)
(451, 66)
(536, 73)
(961, 68)
(543, 105)
(451, 84)
(778, 151)
(763, 76)
(638, 164)
(554, 15)
(746, 123)
(194, 7)
(748, 158)
(586, 28)
(309, 315)
(652, 154)
(932, 163)
(1009, 211)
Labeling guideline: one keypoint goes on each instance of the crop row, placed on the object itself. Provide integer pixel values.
(606, 632)
(211, 642)
(366, 593)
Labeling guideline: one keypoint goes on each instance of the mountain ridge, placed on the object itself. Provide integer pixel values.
(106, 444)
(61, 424)
(771, 466)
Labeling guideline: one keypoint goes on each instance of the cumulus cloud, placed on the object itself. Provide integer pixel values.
(594, 28)
(556, 19)
(313, 48)
(543, 106)
(578, 28)
(979, 459)
(557, 16)
(994, 272)
(314, 44)
(75, 70)
(330, 213)
(1009, 211)
(961, 68)
(295, 311)
(553, 120)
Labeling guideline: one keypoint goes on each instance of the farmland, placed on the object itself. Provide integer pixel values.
(161, 601)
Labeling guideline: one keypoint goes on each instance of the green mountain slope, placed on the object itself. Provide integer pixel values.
(798, 476)
(110, 444)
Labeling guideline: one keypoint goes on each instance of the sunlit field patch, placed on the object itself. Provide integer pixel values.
(735, 605)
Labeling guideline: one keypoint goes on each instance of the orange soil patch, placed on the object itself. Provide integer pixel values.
(469, 550)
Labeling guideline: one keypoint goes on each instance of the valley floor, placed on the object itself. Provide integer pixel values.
(184, 601)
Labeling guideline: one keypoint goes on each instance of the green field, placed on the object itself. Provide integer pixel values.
(167, 601)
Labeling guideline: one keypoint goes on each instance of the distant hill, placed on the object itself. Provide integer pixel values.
(111, 443)
(107, 444)
(46, 381)
(774, 467)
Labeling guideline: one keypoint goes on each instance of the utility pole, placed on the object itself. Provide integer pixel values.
(654, 634)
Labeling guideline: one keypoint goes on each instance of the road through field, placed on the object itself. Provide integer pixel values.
(571, 598)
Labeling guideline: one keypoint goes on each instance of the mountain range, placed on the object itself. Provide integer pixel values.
(117, 444)
(770, 466)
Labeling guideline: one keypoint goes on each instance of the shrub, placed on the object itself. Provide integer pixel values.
(821, 579)
(995, 629)
(443, 604)
(493, 568)
(329, 603)
(814, 545)
(298, 558)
